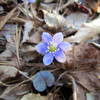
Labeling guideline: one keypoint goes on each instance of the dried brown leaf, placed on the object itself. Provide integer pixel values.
(54, 20)
(87, 57)
(86, 32)
(14, 92)
(76, 19)
(34, 97)
(87, 82)
(35, 38)
(8, 29)
(84, 57)
(27, 29)
(6, 18)
(7, 72)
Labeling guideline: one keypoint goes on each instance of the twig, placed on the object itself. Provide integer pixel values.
(4, 84)
(7, 17)
(16, 86)
(74, 88)
(17, 40)
(20, 20)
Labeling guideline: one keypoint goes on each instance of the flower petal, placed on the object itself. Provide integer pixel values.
(58, 38)
(46, 37)
(60, 56)
(42, 48)
(64, 46)
(48, 59)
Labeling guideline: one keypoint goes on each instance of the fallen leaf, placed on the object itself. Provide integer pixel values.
(35, 38)
(76, 19)
(8, 31)
(83, 82)
(14, 92)
(7, 72)
(83, 57)
(5, 54)
(31, 96)
(87, 83)
(54, 20)
(86, 32)
(87, 56)
(27, 28)
(10, 49)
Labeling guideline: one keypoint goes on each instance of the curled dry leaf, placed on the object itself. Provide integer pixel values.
(8, 31)
(35, 38)
(10, 49)
(88, 82)
(31, 96)
(86, 32)
(7, 72)
(14, 92)
(54, 20)
(27, 28)
(84, 56)
(76, 19)
(27, 52)
(88, 79)
(87, 56)
(7, 53)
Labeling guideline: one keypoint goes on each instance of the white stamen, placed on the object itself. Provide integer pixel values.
(47, 51)
(58, 49)
(48, 47)
(51, 42)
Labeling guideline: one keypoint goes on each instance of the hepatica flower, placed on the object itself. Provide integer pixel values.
(52, 48)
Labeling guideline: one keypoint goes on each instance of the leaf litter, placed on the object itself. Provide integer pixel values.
(22, 72)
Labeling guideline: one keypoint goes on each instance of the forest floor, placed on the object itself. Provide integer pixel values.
(49, 50)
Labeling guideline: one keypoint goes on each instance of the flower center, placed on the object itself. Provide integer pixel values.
(52, 48)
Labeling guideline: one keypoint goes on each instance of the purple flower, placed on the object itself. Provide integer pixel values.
(52, 47)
